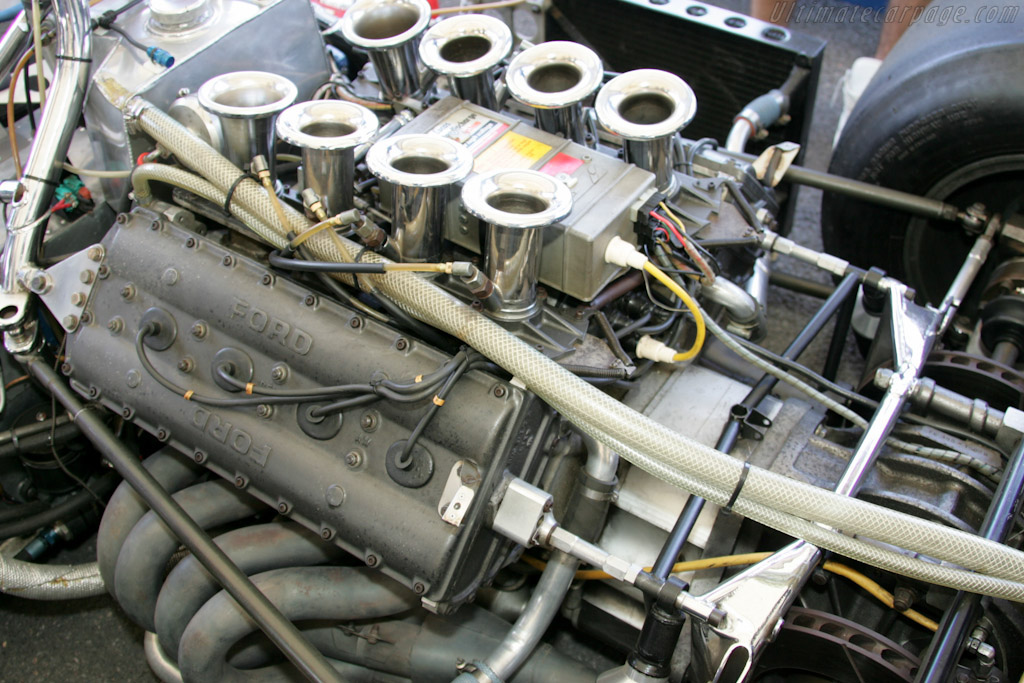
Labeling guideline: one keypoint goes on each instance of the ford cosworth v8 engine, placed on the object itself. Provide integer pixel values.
(405, 346)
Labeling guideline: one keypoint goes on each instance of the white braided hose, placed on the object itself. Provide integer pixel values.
(47, 581)
(785, 504)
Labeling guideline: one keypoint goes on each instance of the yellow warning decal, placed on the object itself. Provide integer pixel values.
(512, 150)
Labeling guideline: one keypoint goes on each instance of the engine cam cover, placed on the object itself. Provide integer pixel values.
(424, 524)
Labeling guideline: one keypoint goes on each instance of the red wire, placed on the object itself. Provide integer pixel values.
(60, 205)
(671, 226)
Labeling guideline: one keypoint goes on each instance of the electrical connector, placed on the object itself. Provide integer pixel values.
(619, 252)
(650, 348)
(160, 56)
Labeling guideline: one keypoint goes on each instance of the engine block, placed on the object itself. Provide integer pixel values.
(423, 525)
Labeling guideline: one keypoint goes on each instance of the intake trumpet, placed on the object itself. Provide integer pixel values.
(423, 171)
(554, 78)
(647, 107)
(467, 49)
(327, 132)
(516, 206)
(247, 103)
(389, 30)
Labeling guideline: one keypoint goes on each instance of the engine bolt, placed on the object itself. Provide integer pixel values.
(326, 533)
(86, 277)
(70, 321)
(265, 411)
(161, 435)
(40, 282)
(199, 457)
(227, 260)
(499, 391)
(170, 277)
(78, 299)
(353, 458)
(122, 218)
(240, 481)
(198, 330)
(371, 560)
(65, 369)
(267, 279)
(94, 392)
(335, 495)
(355, 323)
(283, 507)
(279, 373)
(903, 598)
(419, 588)
(309, 300)
(368, 422)
(94, 253)
(127, 412)
(155, 225)
(86, 317)
(128, 291)
(115, 325)
(402, 344)
(103, 272)
(186, 365)
(190, 242)
(133, 378)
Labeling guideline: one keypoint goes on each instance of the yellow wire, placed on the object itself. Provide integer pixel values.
(883, 596)
(876, 591)
(476, 8)
(15, 154)
(691, 306)
(674, 218)
(322, 225)
(418, 267)
(278, 209)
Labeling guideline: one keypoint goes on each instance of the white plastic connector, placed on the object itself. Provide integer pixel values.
(619, 252)
(652, 349)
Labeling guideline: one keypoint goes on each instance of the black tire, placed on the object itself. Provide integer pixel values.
(943, 118)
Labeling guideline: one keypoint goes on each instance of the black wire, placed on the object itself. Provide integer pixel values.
(131, 41)
(403, 459)
(60, 463)
(693, 150)
(28, 93)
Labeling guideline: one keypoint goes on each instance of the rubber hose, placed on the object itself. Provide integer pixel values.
(150, 545)
(255, 549)
(334, 593)
(683, 462)
(74, 504)
(125, 508)
(47, 581)
(12, 513)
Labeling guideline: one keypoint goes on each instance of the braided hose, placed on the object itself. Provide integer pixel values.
(47, 581)
(678, 460)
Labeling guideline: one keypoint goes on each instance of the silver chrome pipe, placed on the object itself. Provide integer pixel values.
(467, 49)
(389, 30)
(13, 43)
(25, 226)
(646, 108)
(516, 206)
(423, 171)
(327, 132)
(247, 103)
(554, 78)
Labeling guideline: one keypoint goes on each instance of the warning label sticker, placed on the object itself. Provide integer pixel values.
(511, 151)
(561, 163)
(471, 128)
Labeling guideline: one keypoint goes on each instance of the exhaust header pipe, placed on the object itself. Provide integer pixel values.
(554, 78)
(247, 104)
(467, 49)
(516, 206)
(423, 171)
(389, 30)
(327, 132)
(647, 107)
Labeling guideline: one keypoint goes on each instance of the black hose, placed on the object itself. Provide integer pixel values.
(64, 432)
(20, 510)
(73, 505)
(268, 618)
(586, 371)
(278, 260)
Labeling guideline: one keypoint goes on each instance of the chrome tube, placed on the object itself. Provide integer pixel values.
(13, 43)
(247, 104)
(423, 171)
(516, 206)
(646, 108)
(64, 102)
(554, 78)
(327, 132)
(467, 49)
(389, 30)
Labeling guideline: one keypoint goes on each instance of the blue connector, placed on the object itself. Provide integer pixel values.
(160, 56)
